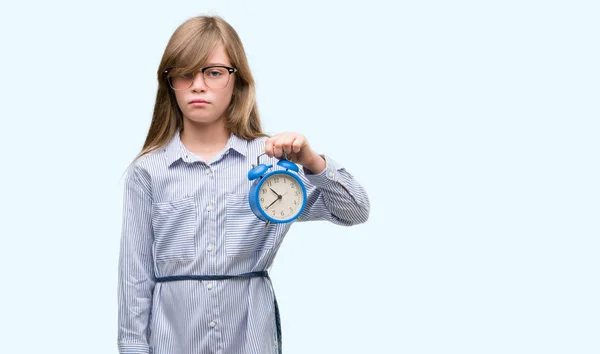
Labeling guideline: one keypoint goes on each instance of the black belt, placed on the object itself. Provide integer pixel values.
(222, 277)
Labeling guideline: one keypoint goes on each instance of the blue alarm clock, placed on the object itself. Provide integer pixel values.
(276, 196)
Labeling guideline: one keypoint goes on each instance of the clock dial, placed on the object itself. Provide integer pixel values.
(280, 196)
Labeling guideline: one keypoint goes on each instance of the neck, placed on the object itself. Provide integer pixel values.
(204, 139)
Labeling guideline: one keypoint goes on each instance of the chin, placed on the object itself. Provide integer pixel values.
(201, 119)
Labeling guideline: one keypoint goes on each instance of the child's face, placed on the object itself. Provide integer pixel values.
(217, 99)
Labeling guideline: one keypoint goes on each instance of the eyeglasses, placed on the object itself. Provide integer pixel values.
(216, 77)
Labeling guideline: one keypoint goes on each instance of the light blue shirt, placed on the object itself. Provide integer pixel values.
(183, 216)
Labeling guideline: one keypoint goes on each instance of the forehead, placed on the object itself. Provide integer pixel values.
(218, 56)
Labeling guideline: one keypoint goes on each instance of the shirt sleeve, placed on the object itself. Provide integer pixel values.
(136, 269)
(334, 195)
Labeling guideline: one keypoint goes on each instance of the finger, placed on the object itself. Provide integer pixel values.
(298, 143)
(269, 145)
(277, 149)
(288, 144)
(268, 148)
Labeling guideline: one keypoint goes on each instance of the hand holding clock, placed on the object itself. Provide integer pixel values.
(297, 150)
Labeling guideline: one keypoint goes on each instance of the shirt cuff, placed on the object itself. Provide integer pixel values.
(134, 348)
(328, 176)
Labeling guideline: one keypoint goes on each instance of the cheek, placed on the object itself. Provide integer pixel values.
(224, 97)
(180, 100)
(229, 94)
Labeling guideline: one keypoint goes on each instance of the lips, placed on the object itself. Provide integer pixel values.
(198, 100)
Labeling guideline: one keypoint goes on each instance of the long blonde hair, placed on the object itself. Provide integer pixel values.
(189, 47)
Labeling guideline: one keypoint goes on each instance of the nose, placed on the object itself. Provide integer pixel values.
(198, 84)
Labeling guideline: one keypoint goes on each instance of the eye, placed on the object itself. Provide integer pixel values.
(215, 73)
(185, 77)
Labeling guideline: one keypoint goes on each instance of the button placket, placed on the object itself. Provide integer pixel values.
(211, 247)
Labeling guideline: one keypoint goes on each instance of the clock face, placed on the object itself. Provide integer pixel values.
(280, 196)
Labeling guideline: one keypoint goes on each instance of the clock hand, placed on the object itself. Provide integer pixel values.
(275, 192)
(279, 197)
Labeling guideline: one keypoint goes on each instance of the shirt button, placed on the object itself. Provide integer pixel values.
(209, 248)
(207, 171)
(330, 174)
(209, 286)
(209, 208)
(212, 324)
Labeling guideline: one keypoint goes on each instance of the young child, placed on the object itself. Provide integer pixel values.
(193, 257)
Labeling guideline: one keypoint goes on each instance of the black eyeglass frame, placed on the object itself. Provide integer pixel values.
(230, 69)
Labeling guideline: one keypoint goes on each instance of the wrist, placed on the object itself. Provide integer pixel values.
(316, 164)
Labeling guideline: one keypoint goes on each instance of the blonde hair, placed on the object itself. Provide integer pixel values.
(189, 48)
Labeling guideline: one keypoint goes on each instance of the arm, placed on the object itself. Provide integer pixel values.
(332, 193)
(136, 268)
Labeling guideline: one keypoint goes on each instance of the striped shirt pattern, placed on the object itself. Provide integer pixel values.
(185, 216)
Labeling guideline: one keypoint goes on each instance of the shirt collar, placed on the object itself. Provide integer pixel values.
(175, 150)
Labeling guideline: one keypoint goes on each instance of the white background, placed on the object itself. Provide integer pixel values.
(473, 125)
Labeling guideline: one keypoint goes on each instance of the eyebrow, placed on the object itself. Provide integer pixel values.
(210, 64)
